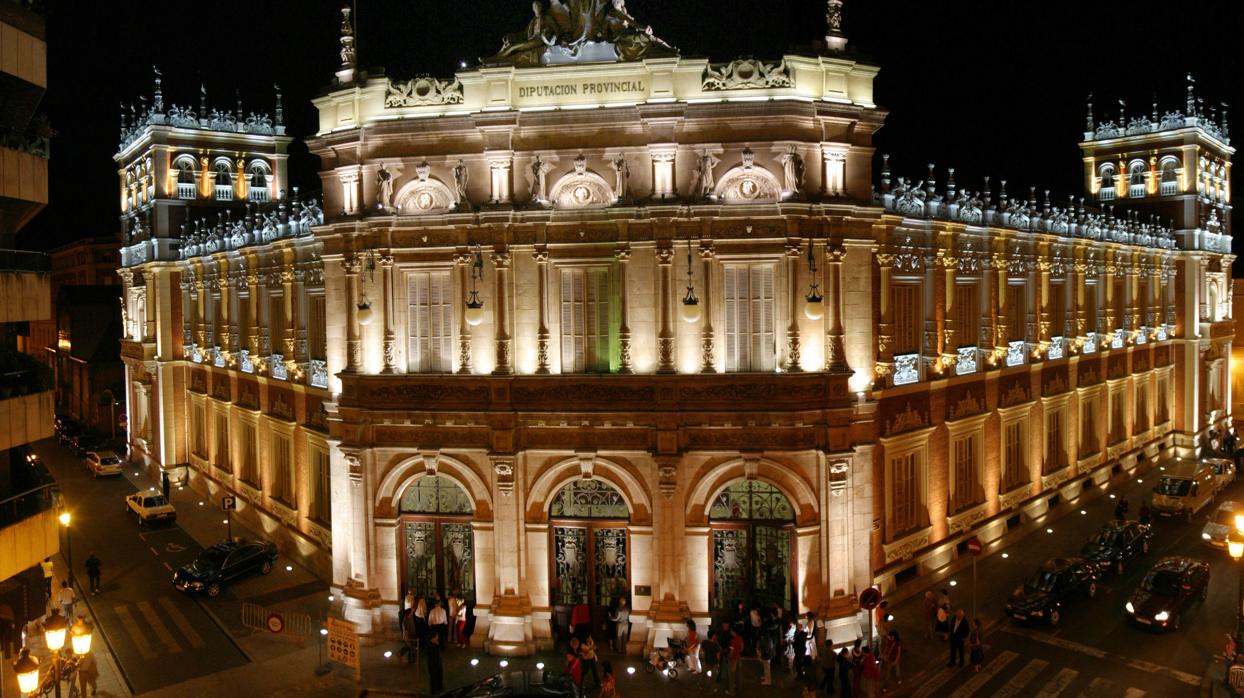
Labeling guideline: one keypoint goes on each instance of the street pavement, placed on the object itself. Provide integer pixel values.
(1095, 650)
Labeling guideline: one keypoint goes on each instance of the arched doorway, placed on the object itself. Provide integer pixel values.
(438, 544)
(589, 550)
(753, 536)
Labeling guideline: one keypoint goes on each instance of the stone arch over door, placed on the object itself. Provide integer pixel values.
(555, 477)
(407, 470)
(713, 479)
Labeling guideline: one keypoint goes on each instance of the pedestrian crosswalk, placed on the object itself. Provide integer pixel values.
(154, 629)
(961, 682)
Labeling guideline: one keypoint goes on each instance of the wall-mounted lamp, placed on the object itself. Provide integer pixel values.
(365, 314)
(691, 310)
(814, 308)
(474, 306)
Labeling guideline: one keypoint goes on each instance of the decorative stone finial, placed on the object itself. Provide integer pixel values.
(348, 57)
(835, 40)
(280, 111)
(1226, 130)
(237, 94)
(1122, 114)
(158, 101)
(1190, 105)
(1089, 125)
(203, 101)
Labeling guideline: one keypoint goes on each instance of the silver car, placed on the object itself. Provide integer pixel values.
(1219, 524)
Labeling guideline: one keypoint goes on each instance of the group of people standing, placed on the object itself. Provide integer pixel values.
(581, 658)
(955, 629)
(430, 624)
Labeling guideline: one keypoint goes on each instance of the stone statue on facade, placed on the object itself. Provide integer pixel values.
(622, 178)
(792, 171)
(573, 30)
(539, 180)
(705, 178)
(460, 182)
(384, 198)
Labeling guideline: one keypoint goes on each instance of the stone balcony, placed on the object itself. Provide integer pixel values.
(25, 287)
(25, 418)
(29, 530)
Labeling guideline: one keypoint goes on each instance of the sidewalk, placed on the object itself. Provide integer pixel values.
(111, 682)
(1004, 564)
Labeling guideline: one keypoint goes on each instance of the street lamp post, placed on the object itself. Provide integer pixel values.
(27, 669)
(54, 629)
(1235, 546)
(64, 521)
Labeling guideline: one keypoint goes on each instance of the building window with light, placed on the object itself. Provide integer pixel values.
(317, 324)
(321, 490)
(1169, 175)
(749, 307)
(906, 495)
(257, 187)
(967, 315)
(282, 484)
(585, 324)
(965, 489)
(187, 187)
(224, 182)
(429, 322)
(906, 323)
(1106, 191)
(1136, 179)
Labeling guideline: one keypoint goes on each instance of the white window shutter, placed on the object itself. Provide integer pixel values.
(763, 359)
(598, 327)
(568, 343)
(732, 323)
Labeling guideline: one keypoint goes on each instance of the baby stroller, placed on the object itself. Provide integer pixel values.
(667, 659)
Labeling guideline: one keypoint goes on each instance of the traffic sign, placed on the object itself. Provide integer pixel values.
(275, 623)
(870, 598)
(343, 642)
(974, 545)
(228, 503)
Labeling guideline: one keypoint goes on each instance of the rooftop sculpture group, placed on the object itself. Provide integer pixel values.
(573, 31)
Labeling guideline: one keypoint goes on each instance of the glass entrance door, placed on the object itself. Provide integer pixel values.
(590, 552)
(437, 541)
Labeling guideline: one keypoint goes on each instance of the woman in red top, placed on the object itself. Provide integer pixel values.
(580, 620)
(693, 648)
(736, 655)
(574, 665)
(608, 684)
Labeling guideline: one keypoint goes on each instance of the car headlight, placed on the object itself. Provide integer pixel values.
(1162, 616)
(1038, 613)
(1205, 536)
(1130, 608)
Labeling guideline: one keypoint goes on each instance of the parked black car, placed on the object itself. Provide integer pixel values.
(1168, 590)
(88, 441)
(67, 429)
(1055, 583)
(223, 562)
(517, 684)
(1116, 544)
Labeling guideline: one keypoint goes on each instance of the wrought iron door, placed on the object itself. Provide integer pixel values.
(772, 562)
(458, 553)
(610, 553)
(730, 567)
(570, 562)
(421, 567)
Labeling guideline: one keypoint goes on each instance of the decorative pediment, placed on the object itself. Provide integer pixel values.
(425, 195)
(582, 189)
(746, 74)
(422, 91)
(748, 184)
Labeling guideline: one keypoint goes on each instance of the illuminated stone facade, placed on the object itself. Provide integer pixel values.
(601, 320)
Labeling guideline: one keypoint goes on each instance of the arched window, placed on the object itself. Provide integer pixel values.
(589, 499)
(1136, 179)
(224, 182)
(186, 186)
(435, 494)
(751, 500)
(258, 190)
(1106, 190)
(1170, 176)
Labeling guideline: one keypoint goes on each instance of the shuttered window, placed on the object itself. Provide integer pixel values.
(1088, 427)
(429, 322)
(965, 487)
(1117, 302)
(321, 503)
(967, 315)
(1058, 310)
(1117, 428)
(222, 440)
(1090, 307)
(200, 432)
(247, 461)
(908, 320)
(1141, 420)
(317, 323)
(282, 485)
(1016, 313)
(1055, 454)
(751, 343)
(1016, 471)
(276, 322)
(905, 502)
(1159, 406)
(243, 316)
(585, 320)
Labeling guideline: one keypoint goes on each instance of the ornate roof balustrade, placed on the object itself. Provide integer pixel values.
(136, 119)
(1169, 122)
(922, 200)
(254, 228)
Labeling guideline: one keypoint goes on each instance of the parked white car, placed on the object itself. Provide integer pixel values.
(150, 506)
(103, 463)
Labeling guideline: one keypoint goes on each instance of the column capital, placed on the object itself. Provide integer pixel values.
(351, 265)
(501, 258)
(622, 253)
(540, 254)
(665, 256)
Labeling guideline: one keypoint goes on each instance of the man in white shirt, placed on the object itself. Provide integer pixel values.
(438, 621)
(66, 598)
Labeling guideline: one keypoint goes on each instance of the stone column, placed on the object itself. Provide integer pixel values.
(885, 331)
(362, 600)
(835, 344)
(462, 265)
(228, 323)
(623, 255)
(501, 312)
(1076, 271)
(1044, 321)
(200, 291)
(1000, 329)
(794, 255)
(302, 353)
(541, 255)
(390, 337)
(290, 336)
(510, 631)
(354, 343)
(1111, 320)
(708, 353)
(950, 327)
(252, 301)
(665, 332)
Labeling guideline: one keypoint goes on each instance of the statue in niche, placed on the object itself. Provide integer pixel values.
(384, 198)
(704, 174)
(792, 171)
(460, 181)
(539, 180)
(622, 178)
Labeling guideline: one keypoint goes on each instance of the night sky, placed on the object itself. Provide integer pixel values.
(988, 87)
